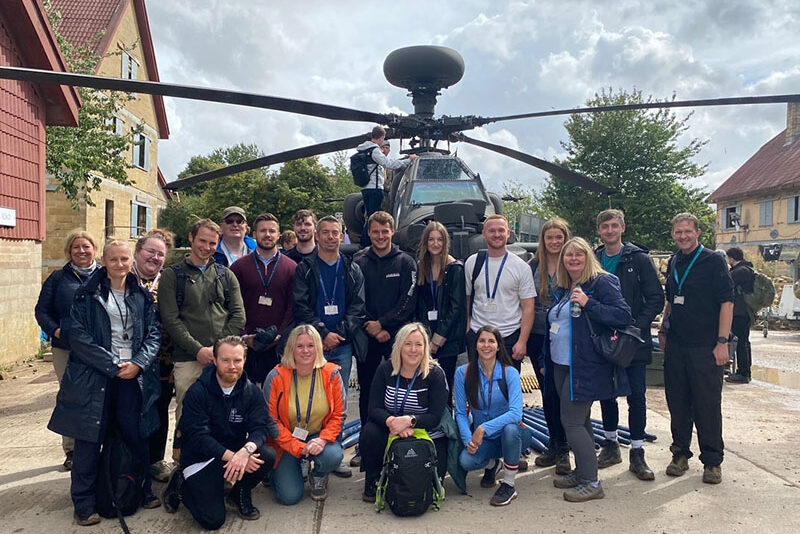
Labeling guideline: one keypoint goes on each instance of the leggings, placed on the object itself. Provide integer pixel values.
(577, 425)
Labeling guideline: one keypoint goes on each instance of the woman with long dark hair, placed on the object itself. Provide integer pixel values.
(489, 388)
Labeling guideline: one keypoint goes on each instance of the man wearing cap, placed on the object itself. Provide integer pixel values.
(235, 242)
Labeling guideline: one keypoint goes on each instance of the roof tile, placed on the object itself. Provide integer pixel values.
(85, 20)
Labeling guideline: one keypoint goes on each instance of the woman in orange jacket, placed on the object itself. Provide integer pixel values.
(305, 396)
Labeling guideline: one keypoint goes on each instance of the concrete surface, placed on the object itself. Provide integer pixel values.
(760, 491)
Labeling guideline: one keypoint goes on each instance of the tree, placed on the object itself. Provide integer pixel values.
(342, 180)
(637, 153)
(526, 200)
(78, 158)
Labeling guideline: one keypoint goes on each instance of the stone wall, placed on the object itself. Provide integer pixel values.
(20, 271)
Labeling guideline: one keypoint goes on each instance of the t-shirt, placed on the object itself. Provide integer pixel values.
(610, 263)
(331, 292)
(560, 341)
(408, 401)
(319, 404)
(121, 319)
(504, 311)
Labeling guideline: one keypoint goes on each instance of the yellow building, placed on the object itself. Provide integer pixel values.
(759, 205)
(126, 49)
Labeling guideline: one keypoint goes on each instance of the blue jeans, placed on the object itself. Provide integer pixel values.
(373, 200)
(507, 446)
(287, 478)
(637, 405)
(343, 357)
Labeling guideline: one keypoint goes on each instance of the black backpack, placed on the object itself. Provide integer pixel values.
(359, 167)
(120, 479)
(409, 483)
(180, 284)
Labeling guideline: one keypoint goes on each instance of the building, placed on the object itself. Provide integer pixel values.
(759, 205)
(26, 40)
(126, 50)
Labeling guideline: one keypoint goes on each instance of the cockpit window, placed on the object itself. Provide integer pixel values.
(440, 169)
(438, 192)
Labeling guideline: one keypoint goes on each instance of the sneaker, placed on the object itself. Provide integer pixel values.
(568, 481)
(563, 465)
(609, 454)
(241, 499)
(490, 475)
(343, 471)
(583, 492)
(678, 466)
(355, 461)
(546, 459)
(161, 470)
(504, 495)
(319, 488)
(737, 379)
(68, 462)
(86, 520)
(638, 466)
(712, 474)
(171, 498)
(150, 501)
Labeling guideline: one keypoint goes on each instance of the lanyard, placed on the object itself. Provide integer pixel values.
(405, 397)
(686, 272)
(277, 259)
(123, 316)
(490, 381)
(310, 398)
(496, 279)
(335, 281)
(434, 290)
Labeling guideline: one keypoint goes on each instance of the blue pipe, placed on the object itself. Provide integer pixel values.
(351, 440)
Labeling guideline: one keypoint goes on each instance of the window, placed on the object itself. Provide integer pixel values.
(116, 125)
(109, 221)
(731, 216)
(794, 209)
(141, 222)
(130, 67)
(141, 151)
(765, 213)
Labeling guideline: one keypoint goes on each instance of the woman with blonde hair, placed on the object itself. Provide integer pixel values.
(581, 374)
(305, 396)
(409, 391)
(55, 300)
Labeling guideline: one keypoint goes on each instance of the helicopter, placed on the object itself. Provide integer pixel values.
(438, 185)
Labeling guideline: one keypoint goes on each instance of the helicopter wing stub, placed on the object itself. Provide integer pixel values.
(273, 159)
(556, 170)
(223, 96)
(732, 101)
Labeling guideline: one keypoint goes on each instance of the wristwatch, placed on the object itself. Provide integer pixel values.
(723, 340)
(413, 421)
(250, 448)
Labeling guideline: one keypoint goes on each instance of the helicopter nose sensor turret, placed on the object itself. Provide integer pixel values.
(424, 70)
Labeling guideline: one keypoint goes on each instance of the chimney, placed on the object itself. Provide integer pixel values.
(792, 123)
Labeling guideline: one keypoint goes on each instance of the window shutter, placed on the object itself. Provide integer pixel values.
(792, 211)
(120, 125)
(134, 220)
(146, 148)
(126, 64)
(134, 69)
(149, 224)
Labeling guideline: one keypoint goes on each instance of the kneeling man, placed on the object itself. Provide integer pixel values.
(225, 423)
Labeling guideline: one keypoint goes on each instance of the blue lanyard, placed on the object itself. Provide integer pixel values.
(405, 397)
(686, 272)
(496, 279)
(310, 397)
(434, 290)
(277, 260)
(335, 282)
(490, 381)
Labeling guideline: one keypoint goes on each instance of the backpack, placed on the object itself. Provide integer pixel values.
(476, 270)
(409, 483)
(180, 284)
(763, 293)
(120, 480)
(359, 167)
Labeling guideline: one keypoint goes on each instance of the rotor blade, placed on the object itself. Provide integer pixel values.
(273, 159)
(733, 101)
(556, 170)
(194, 93)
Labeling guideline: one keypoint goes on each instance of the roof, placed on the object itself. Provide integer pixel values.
(84, 20)
(773, 168)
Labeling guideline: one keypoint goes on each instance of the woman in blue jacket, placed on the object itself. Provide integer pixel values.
(489, 388)
(582, 375)
(110, 380)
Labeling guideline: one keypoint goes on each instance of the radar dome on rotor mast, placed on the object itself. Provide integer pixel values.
(424, 70)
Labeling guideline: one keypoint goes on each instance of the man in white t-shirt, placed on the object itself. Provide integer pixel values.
(503, 294)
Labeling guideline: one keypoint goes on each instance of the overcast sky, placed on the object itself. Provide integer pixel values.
(520, 57)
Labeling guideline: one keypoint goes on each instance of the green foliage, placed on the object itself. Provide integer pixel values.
(528, 202)
(78, 157)
(637, 154)
(342, 180)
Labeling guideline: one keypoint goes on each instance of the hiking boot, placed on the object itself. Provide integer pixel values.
(737, 379)
(355, 461)
(546, 459)
(609, 454)
(490, 475)
(343, 471)
(504, 495)
(563, 466)
(638, 466)
(68, 462)
(319, 488)
(161, 470)
(678, 466)
(370, 488)
(242, 500)
(150, 501)
(583, 492)
(712, 474)
(86, 519)
(171, 498)
(568, 481)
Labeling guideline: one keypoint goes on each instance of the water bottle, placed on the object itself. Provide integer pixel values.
(575, 309)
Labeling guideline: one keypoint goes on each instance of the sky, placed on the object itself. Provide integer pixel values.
(520, 57)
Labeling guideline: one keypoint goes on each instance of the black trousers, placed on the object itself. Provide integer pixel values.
(203, 493)
(366, 373)
(260, 363)
(372, 445)
(158, 439)
(693, 387)
(551, 402)
(448, 364)
(741, 329)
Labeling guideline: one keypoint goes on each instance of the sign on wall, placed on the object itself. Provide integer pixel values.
(8, 217)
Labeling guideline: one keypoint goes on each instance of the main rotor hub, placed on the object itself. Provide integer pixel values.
(424, 70)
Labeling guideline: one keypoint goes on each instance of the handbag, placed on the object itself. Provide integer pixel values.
(618, 346)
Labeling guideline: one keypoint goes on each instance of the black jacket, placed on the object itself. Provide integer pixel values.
(434, 400)
(743, 280)
(55, 302)
(451, 307)
(306, 289)
(91, 366)
(642, 291)
(389, 284)
(212, 423)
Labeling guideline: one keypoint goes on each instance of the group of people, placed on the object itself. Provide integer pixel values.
(258, 345)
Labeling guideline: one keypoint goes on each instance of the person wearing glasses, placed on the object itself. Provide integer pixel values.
(235, 242)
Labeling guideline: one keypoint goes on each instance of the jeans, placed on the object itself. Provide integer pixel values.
(287, 478)
(507, 446)
(366, 373)
(637, 404)
(373, 200)
(343, 357)
(575, 418)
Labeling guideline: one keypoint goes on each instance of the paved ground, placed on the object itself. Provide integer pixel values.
(760, 491)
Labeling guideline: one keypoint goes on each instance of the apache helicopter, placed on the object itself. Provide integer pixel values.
(438, 185)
